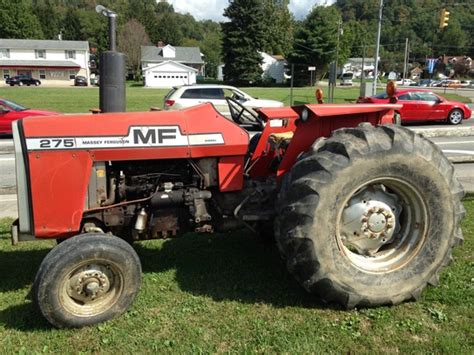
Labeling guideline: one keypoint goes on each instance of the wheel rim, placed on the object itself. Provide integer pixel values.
(382, 225)
(455, 117)
(91, 288)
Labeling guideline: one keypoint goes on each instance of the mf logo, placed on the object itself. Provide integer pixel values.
(154, 135)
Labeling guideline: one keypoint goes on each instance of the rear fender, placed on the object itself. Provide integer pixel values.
(322, 120)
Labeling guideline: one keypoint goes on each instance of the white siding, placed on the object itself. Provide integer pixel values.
(54, 75)
(168, 75)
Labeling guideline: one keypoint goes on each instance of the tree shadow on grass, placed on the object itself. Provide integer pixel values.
(18, 268)
(297, 102)
(23, 317)
(234, 266)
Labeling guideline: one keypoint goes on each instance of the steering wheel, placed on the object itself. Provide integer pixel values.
(243, 116)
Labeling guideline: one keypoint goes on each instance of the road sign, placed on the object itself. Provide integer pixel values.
(311, 68)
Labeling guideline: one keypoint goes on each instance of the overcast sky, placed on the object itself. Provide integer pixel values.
(213, 9)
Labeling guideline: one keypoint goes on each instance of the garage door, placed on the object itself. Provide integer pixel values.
(170, 79)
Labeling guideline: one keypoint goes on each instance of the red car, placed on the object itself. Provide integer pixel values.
(11, 111)
(421, 105)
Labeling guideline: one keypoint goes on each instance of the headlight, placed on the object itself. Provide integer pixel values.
(304, 115)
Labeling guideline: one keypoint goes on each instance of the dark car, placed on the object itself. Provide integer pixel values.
(420, 105)
(11, 111)
(21, 80)
(80, 81)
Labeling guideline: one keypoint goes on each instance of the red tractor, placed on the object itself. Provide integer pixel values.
(364, 212)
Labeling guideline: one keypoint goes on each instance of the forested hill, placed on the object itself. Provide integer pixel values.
(310, 40)
(417, 20)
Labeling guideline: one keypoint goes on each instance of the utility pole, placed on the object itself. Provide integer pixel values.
(377, 49)
(291, 83)
(405, 62)
(362, 74)
(333, 83)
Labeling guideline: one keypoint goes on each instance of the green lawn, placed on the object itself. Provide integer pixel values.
(231, 293)
(81, 99)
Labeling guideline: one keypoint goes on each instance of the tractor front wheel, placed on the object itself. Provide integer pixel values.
(86, 280)
(369, 216)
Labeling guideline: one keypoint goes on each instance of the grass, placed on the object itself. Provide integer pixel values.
(231, 293)
(81, 99)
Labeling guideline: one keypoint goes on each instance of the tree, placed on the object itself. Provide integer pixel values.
(18, 21)
(243, 38)
(278, 27)
(72, 25)
(211, 48)
(130, 39)
(49, 18)
(316, 42)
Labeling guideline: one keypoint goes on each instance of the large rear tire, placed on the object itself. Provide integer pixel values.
(86, 280)
(369, 216)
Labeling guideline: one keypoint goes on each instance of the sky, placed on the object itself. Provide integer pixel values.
(213, 9)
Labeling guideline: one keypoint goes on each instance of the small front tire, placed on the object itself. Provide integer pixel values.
(86, 280)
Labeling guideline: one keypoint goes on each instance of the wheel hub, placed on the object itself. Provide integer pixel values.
(369, 220)
(378, 221)
(89, 283)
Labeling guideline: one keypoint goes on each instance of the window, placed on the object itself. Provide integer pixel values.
(213, 94)
(70, 54)
(405, 97)
(40, 53)
(42, 74)
(6, 74)
(4, 53)
(427, 96)
(72, 74)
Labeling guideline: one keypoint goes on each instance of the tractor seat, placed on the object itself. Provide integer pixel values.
(280, 138)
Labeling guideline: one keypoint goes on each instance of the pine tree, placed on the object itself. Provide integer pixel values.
(243, 38)
(315, 43)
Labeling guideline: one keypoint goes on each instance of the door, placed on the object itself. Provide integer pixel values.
(431, 107)
(410, 106)
(7, 116)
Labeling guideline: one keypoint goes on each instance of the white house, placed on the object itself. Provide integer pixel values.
(354, 65)
(273, 67)
(167, 66)
(53, 62)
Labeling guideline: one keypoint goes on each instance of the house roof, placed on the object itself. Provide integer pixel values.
(278, 57)
(180, 65)
(42, 63)
(191, 55)
(43, 44)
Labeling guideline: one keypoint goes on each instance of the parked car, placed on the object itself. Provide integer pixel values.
(189, 95)
(425, 82)
(80, 81)
(346, 78)
(423, 105)
(21, 80)
(405, 82)
(11, 111)
(95, 80)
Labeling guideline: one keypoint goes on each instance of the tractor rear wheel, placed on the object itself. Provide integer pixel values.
(369, 216)
(86, 280)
